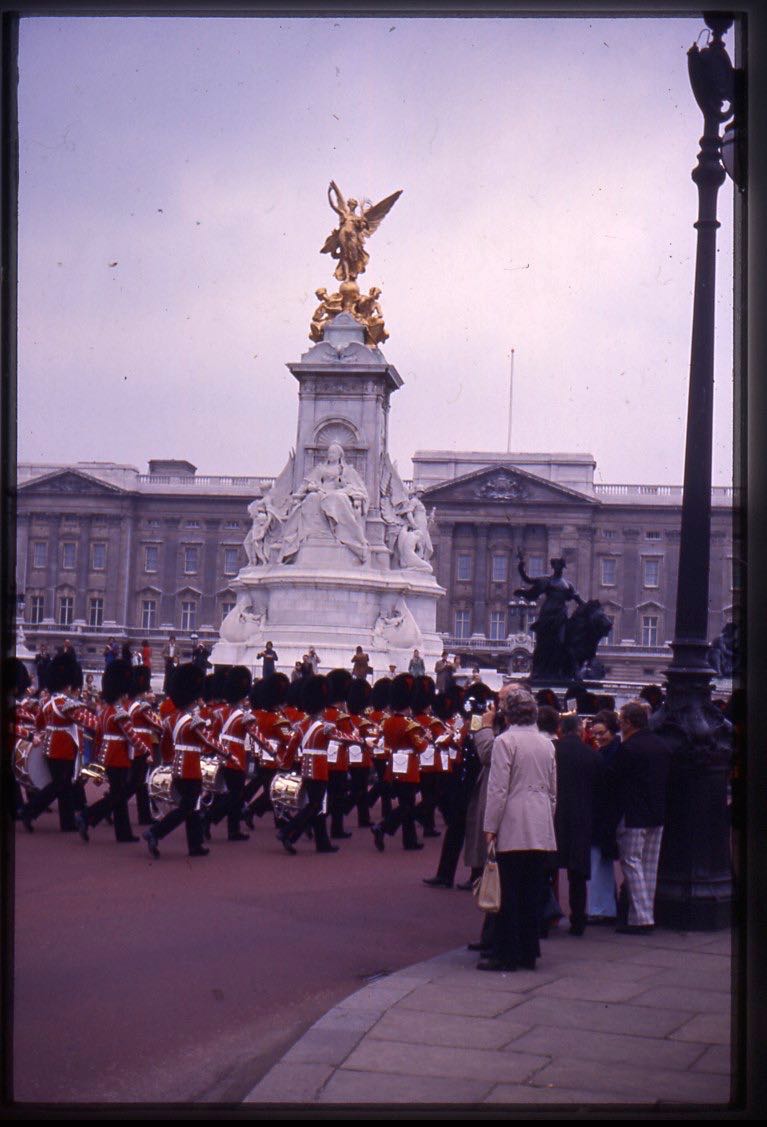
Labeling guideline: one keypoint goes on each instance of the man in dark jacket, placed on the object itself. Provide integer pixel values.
(641, 768)
(577, 770)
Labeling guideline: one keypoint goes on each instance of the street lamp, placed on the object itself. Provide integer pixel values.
(695, 874)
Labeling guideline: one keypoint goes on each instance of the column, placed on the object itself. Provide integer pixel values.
(169, 572)
(631, 579)
(479, 585)
(83, 569)
(444, 570)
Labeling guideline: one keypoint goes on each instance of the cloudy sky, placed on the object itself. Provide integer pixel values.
(173, 177)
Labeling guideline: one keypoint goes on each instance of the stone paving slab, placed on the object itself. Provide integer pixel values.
(648, 1084)
(444, 1061)
(609, 1048)
(608, 1021)
(416, 1028)
(708, 1028)
(606, 1017)
(685, 998)
(347, 1086)
(436, 998)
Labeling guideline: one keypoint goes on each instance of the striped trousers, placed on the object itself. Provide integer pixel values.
(639, 849)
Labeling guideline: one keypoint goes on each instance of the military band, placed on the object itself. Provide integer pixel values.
(225, 748)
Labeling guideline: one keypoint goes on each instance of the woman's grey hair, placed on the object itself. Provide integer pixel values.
(518, 706)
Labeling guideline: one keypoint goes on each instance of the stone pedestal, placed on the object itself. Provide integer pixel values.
(326, 593)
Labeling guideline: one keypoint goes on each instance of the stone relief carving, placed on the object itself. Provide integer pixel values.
(407, 536)
(501, 487)
(397, 629)
(245, 622)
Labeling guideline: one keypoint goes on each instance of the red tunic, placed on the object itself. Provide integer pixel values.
(146, 724)
(277, 740)
(117, 739)
(60, 717)
(188, 735)
(404, 740)
(232, 738)
(316, 735)
(338, 753)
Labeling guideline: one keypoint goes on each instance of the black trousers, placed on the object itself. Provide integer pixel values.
(426, 808)
(71, 796)
(577, 896)
(453, 802)
(114, 803)
(262, 778)
(380, 789)
(358, 794)
(403, 814)
(229, 804)
(310, 815)
(189, 790)
(338, 789)
(518, 923)
(139, 771)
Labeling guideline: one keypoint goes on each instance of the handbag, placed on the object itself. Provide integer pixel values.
(487, 888)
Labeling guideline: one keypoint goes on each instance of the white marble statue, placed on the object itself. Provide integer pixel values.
(332, 496)
(397, 630)
(255, 541)
(409, 548)
(244, 623)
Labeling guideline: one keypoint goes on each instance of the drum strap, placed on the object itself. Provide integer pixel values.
(309, 733)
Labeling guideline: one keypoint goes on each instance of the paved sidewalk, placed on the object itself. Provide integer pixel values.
(604, 1019)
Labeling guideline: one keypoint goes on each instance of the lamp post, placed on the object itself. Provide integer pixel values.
(695, 874)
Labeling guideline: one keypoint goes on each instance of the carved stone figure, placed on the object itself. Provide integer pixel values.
(397, 630)
(551, 658)
(254, 543)
(332, 496)
(410, 549)
(244, 623)
(346, 242)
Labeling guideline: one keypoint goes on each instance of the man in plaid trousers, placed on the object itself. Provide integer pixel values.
(640, 770)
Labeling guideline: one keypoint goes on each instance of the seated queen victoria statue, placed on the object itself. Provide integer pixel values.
(332, 497)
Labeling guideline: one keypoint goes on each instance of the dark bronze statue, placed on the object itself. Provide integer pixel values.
(563, 645)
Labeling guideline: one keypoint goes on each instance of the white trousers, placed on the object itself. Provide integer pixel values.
(639, 849)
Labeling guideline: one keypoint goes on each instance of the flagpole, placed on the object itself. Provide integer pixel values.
(511, 393)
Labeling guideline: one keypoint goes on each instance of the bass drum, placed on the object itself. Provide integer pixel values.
(162, 790)
(288, 794)
(30, 765)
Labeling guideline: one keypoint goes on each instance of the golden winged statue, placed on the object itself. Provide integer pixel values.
(346, 242)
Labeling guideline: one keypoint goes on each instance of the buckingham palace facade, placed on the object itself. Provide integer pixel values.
(106, 551)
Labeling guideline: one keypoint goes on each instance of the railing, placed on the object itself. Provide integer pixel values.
(193, 480)
(673, 492)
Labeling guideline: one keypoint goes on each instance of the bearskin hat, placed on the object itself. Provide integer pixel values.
(213, 686)
(116, 680)
(141, 681)
(338, 684)
(447, 704)
(64, 672)
(186, 684)
(423, 694)
(275, 691)
(237, 684)
(293, 697)
(477, 691)
(256, 695)
(358, 696)
(381, 694)
(18, 675)
(547, 697)
(401, 691)
(315, 695)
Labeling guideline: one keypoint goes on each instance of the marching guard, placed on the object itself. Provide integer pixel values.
(404, 741)
(60, 719)
(236, 719)
(148, 725)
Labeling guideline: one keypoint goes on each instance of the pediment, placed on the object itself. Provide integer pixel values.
(504, 484)
(70, 482)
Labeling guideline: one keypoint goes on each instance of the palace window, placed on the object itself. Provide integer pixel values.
(609, 571)
(189, 615)
(463, 566)
(534, 566)
(231, 524)
(68, 555)
(226, 608)
(191, 524)
(231, 560)
(36, 608)
(497, 625)
(653, 534)
(148, 614)
(96, 612)
(39, 554)
(462, 623)
(98, 557)
(500, 569)
(191, 560)
(66, 610)
(649, 629)
(151, 557)
(651, 573)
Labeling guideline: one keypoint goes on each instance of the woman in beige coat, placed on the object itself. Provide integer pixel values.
(519, 822)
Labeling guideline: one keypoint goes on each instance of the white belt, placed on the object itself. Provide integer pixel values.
(111, 739)
(234, 740)
(188, 747)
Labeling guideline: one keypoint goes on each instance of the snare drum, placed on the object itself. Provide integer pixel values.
(212, 778)
(288, 794)
(30, 765)
(162, 791)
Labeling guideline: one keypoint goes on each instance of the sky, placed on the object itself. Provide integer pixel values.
(172, 205)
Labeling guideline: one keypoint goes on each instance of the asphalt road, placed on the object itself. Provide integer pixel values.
(186, 979)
